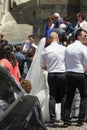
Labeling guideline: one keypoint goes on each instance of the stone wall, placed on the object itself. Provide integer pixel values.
(43, 12)
(6, 5)
(53, 2)
(46, 8)
(83, 7)
(37, 14)
(20, 1)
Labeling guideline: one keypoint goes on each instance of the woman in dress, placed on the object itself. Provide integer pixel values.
(38, 79)
(8, 60)
(48, 27)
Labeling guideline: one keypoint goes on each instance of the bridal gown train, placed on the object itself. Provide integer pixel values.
(38, 78)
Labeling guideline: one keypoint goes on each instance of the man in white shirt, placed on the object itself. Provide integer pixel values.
(29, 44)
(52, 59)
(76, 64)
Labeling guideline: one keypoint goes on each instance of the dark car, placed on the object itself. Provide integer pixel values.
(17, 43)
(18, 111)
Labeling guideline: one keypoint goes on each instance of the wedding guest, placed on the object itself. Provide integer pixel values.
(29, 44)
(20, 58)
(2, 38)
(26, 85)
(76, 63)
(49, 26)
(58, 28)
(8, 60)
(81, 21)
(57, 19)
(48, 42)
(69, 27)
(52, 60)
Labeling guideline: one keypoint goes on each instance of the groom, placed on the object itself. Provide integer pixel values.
(52, 60)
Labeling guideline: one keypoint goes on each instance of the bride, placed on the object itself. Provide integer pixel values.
(38, 78)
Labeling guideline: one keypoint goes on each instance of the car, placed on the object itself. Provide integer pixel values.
(18, 110)
(17, 43)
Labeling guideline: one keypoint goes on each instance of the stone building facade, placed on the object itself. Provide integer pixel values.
(44, 8)
(64, 7)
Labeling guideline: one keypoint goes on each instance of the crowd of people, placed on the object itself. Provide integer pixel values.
(56, 70)
(16, 60)
(52, 70)
(64, 27)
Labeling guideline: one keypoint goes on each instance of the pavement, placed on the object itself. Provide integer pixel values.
(59, 126)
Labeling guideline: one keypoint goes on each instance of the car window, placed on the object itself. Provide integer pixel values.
(9, 92)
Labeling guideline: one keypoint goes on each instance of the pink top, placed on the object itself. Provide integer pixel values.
(13, 70)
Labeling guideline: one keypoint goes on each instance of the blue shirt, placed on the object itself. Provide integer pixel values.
(69, 27)
(58, 22)
(47, 31)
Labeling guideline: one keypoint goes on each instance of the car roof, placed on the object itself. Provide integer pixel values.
(16, 43)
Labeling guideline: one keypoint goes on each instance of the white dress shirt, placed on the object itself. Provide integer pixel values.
(53, 57)
(26, 47)
(76, 57)
(82, 25)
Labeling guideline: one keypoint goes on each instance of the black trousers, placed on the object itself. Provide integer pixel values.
(57, 89)
(76, 80)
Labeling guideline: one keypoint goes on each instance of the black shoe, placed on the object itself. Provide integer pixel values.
(52, 120)
(67, 123)
(62, 118)
(79, 123)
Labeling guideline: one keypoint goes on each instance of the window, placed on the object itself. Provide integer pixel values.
(9, 92)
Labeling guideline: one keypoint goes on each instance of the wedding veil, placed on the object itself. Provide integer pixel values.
(38, 78)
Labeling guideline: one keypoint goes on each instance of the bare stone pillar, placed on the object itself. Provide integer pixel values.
(2, 9)
(38, 2)
(3, 5)
(7, 5)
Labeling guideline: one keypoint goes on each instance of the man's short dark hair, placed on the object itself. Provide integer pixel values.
(31, 35)
(78, 32)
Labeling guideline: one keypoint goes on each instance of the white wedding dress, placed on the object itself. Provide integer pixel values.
(38, 78)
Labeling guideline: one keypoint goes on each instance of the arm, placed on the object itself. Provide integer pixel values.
(43, 61)
(45, 67)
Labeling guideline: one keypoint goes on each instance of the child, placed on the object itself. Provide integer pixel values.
(26, 85)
